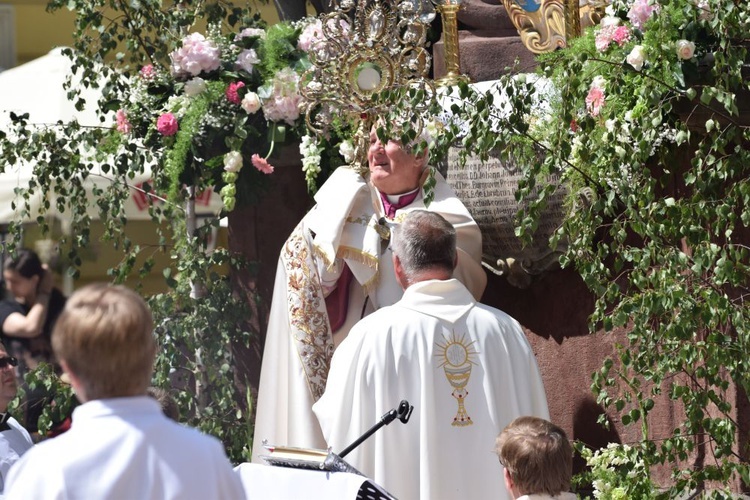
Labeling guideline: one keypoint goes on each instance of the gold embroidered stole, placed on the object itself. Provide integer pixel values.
(308, 319)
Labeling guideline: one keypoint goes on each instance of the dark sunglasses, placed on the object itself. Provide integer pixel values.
(8, 360)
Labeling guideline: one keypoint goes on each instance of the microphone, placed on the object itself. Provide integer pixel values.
(403, 413)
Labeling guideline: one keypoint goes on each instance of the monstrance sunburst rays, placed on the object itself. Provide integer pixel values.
(368, 48)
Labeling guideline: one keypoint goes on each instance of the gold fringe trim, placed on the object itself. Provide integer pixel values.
(357, 255)
(368, 260)
(372, 283)
(320, 253)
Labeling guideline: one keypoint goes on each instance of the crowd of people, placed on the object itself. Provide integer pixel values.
(376, 301)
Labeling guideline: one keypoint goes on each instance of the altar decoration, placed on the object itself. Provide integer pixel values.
(214, 112)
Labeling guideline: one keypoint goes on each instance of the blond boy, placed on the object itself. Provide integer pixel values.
(537, 459)
(120, 444)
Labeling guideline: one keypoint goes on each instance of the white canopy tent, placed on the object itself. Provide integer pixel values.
(36, 88)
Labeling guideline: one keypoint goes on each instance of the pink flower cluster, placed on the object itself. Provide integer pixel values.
(641, 11)
(611, 33)
(313, 33)
(284, 102)
(310, 35)
(232, 92)
(123, 124)
(167, 124)
(596, 98)
(195, 56)
(148, 72)
(247, 59)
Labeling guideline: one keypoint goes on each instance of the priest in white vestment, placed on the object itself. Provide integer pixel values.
(467, 368)
(336, 268)
(120, 444)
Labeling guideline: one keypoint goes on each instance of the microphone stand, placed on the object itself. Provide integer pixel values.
(403, 413)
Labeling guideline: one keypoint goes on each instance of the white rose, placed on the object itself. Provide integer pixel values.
(609, 21)
(251, 103)
(195, 86)
(346, 149)
(233, 161)
(637, 57)
(685, 49)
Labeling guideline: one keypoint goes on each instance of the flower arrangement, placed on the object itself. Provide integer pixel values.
(221, 102)
(647, 126)
(617, 472)
(644, 53)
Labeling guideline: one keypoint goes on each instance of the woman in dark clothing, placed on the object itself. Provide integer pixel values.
(27, 316)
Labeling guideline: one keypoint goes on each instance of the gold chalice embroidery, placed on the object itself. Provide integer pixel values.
(457, 353)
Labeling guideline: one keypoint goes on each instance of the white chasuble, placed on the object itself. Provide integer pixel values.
(467, 368)
(346, 227)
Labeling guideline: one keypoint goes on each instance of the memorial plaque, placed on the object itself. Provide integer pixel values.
(488, 190)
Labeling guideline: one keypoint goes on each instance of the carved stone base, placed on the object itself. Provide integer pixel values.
(488, 191)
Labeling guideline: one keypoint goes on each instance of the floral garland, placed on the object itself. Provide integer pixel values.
(643, 54)
(222, 99)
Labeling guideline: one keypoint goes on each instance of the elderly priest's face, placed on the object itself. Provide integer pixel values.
(392, 169)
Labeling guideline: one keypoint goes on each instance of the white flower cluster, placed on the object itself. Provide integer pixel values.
(604, 465)
(310, 150)
(346, 149)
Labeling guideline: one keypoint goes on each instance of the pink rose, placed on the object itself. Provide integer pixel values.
(232, 92)
(123, 124)
(704, 10)
(596, 98)
(167, 124)
(261, 164)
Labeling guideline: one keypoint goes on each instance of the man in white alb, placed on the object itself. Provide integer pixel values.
(336, 268)
(467, 368)
(120, 444)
